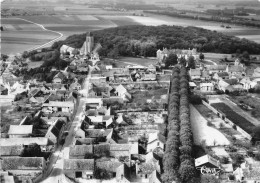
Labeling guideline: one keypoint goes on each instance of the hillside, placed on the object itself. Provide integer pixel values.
(145, 40)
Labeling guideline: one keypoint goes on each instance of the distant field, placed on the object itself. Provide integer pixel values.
(138, 61)
(19, 35)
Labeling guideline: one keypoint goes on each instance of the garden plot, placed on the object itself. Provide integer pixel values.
(139, 118)
(202, 132)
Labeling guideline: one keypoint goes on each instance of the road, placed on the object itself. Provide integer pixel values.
(54, 172)
(42, 27)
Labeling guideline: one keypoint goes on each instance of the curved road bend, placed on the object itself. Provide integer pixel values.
(54, 172)
(42, 27)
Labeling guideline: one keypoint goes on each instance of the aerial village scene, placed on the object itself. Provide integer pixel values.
(127, 105)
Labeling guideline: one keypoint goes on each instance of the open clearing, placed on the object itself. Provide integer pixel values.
(202, 132)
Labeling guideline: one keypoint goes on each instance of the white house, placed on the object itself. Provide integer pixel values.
(206, 87)
(155, 140)
(122, 92)
(54, 106)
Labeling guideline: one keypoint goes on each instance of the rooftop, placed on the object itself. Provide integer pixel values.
(78, 164)
(42, 141)
(22, 163)
(20, 129)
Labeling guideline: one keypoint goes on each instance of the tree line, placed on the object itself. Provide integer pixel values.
(139, 40)
(178, 164)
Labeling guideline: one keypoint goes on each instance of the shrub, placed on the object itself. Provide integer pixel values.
(209, 179)
(102, 174)
(257, 156)
(224, 160)
(209, 123)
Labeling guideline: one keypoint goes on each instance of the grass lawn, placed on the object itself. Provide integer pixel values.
(138, 61)
(32, 65)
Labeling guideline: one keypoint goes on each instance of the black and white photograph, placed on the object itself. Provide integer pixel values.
(130, 91)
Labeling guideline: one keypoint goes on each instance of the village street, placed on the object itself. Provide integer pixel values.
(54, 171)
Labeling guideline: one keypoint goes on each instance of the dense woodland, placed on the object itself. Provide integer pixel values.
(144, 41)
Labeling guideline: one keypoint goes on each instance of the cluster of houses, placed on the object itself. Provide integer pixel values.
(226, 78)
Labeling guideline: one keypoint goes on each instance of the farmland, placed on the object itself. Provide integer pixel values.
(20, 35)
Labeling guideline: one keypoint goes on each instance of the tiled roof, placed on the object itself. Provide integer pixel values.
(22, 163)
(81, 150)
(120, 147)
(217, 67)
(42, 141)
(206, 159)
(93, 133)
(58, 104)
(222, 74)
(11, 150)
(78, 164)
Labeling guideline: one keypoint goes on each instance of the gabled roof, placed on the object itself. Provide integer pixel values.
(217, 67)
(11, 150)
(59, 75)
(20, 129)
(222, 74)
(206, 159)
(58, 104)
(42, 141)
(22, 163)
(78, 164)
(195, 72)
(231, 81)
(81, 150)
(206, 84)
(120, 88)
(120, 147)
(235, 68)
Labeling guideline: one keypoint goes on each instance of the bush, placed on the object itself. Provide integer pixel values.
(224, 160)
(209, 179)
(257, 156)
(102, 174)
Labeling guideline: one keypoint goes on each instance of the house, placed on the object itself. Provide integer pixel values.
(97, 79)
(64, 49)
(55, 131)
(80, 151)
(207, 162)
(195, 73)
(256, 73)
(7, 151)
(20, 167)
(59, 78)
(144, 171)
(205, 75)
(20, 131)
(148, 77)
(216, 68)
(52, 120)
(230, 85)
(43, 142)
(206, 87)
(122, 92)
(75, 86)
(102, 91)
(248, 172)
(108, 67)
(99, 134)
(248, 83)
(79, 168)
(192, 85)
(119, 150)
(220, 75)
(122, 78)
(100, 120)
(113, 165)
(236, 71)
(155, 140)
(58, 107)
(94, 103)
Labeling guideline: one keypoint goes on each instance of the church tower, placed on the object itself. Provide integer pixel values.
(89, 43)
